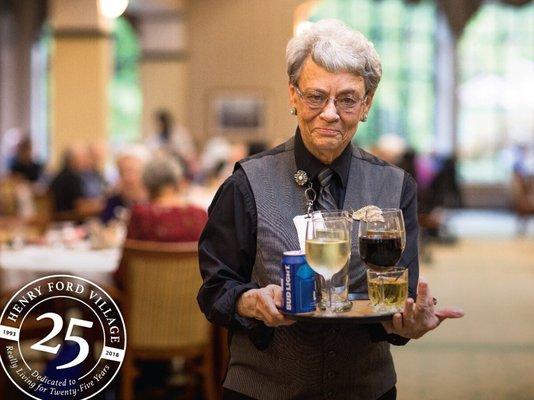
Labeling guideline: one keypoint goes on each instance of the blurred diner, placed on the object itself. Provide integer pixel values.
(172, 138)
(23, 163)
(166, 217)
(129, 188)
(74, 196)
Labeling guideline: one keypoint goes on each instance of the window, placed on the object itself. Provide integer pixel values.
(40, 92)
(496, 100)
(403, 35)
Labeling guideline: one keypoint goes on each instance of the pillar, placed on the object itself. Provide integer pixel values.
(163, 66)
(81, 70)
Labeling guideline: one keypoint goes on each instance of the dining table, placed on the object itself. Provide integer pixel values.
(21, 265)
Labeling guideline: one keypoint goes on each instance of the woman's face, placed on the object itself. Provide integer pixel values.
(327, 131)
(130, 171)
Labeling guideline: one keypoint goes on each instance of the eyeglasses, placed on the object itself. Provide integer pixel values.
(317, 100)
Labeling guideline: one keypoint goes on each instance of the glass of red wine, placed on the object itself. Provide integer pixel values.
(381, 240)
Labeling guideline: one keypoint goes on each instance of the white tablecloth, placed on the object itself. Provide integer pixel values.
(43, 258)
(19, 267)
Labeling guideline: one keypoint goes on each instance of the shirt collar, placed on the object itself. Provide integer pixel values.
(307, 162)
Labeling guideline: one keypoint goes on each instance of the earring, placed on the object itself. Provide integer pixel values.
(364, 118)
(293, 111)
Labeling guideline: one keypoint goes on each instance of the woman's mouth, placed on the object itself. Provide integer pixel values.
(327, 132)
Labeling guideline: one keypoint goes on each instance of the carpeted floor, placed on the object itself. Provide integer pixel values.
(489, 354)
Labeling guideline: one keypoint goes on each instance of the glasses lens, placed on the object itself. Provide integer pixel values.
(347, 103)
(315, 100)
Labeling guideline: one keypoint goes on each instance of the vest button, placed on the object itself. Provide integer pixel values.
(331, 374)
(331, 354)
(330, 395)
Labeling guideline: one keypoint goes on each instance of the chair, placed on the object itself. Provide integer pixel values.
(523, 200)
(44, 208)
(162, 316)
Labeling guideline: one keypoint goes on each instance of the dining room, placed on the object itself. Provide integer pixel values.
(139, 182)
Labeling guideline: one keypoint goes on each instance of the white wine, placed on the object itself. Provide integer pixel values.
(395, 292)
(327, 256)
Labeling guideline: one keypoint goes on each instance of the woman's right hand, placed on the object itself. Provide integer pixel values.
(262, 304)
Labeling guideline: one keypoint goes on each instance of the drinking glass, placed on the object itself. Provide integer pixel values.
(381, 240)
(388, 290)
(328, 245)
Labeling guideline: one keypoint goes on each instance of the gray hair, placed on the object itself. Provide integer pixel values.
(133, 150)
(161, 172)
(335, 47)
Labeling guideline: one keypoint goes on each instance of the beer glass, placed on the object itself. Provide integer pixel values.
(328, 245)
(388, 290)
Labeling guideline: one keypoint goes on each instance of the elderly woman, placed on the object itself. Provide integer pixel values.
(166, 217)
(129, 189)
(333, 75)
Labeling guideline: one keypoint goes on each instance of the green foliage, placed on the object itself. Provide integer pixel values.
(125, 91)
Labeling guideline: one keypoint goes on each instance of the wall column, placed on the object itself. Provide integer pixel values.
(163, 66)
(446, 83)
(81, 68)
(20, 23)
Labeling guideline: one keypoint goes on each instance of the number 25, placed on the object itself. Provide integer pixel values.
(58, 324)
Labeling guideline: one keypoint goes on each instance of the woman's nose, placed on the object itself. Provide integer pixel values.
(329, 112)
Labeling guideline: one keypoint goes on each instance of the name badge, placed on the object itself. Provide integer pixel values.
(300, 222)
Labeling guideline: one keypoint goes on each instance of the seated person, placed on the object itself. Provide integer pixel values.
(166, 218)
(23, 164)
(522, 199)
(67, 186)
(129, 189)
(93, 182)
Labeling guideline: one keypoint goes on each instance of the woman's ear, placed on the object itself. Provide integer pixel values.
(292, 95)
(368, 102)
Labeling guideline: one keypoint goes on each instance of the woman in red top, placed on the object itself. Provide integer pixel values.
(166, 218)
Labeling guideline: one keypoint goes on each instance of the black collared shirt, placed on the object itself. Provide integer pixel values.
(227, 246)
(312, 166)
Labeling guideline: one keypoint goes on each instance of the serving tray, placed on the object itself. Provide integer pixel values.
(361, 313)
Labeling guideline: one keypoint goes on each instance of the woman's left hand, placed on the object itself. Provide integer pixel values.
(420, 317)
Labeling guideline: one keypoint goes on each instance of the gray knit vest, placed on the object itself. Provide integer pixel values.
(309, 360)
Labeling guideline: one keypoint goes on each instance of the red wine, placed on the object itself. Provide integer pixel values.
(380, 251)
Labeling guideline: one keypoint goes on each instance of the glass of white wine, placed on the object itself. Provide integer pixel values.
(328, 245)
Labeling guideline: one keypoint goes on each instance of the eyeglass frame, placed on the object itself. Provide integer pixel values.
(327, 100)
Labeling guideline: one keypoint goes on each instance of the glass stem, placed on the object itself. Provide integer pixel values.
(329, 291)
(381, 304)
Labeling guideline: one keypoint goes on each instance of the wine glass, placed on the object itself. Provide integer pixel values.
(328, 245)
(381, 239)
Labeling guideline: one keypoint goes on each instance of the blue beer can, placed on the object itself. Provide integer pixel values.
(298, 283)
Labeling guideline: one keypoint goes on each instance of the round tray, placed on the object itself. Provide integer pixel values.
(361, 313)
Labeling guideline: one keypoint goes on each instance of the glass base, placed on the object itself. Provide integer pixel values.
(385, 309)
(338, 305)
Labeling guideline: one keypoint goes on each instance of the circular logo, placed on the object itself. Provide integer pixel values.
(61, 336)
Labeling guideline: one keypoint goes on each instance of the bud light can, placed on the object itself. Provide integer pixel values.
(298, 283)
